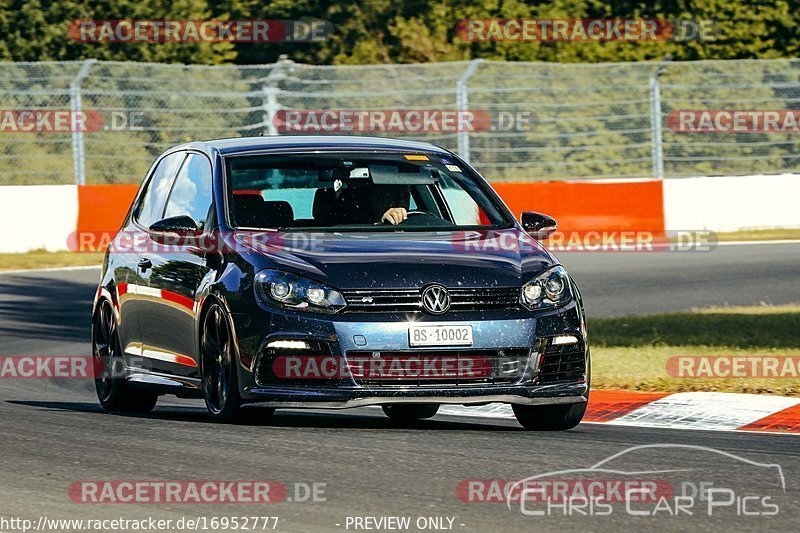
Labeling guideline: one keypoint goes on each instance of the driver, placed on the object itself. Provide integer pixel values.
(395, 216)
(393, 202)
(373, 204)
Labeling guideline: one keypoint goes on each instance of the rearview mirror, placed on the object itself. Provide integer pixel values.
(538, 225)
(175, 231)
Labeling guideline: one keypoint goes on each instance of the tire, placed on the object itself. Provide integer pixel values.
(408, 413)
(114, 393)
(218, 368)
(550, 417)
(555, 417)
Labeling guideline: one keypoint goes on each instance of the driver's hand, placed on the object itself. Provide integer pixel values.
(394, 216)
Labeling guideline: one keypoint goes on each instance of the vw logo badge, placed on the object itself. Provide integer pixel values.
(436, 300)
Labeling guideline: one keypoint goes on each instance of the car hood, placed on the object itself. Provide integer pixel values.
(486, 258)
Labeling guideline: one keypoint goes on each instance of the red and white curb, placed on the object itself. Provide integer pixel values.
(717, 411)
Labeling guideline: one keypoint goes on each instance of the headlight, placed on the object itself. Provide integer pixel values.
(550, 289)
(295, 292)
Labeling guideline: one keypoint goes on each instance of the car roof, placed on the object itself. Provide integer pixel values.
(311, 142)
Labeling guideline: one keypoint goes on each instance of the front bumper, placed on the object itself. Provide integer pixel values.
(383, 334)
(329, 398)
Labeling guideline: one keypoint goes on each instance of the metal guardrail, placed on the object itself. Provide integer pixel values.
(584, 121)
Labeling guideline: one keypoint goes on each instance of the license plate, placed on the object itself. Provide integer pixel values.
(440, 336)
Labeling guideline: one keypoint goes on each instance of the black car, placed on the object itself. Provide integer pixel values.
(335, 272)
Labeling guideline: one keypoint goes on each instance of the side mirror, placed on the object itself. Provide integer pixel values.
(175, 231)
(538, 225)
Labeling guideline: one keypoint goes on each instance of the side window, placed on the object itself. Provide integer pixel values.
(191, 194)
(465, 209)
(151, 206)
(413, 205)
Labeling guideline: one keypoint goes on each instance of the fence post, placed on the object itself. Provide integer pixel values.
(462, 101)
(76, 107)
(655, 118)
(270, 87)
(655, 126)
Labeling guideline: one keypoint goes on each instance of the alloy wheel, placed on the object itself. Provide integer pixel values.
(106, 357)
(216, 359)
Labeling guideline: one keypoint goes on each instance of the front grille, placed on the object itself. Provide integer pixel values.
(562, 363)
(410, 300)
(450, 368)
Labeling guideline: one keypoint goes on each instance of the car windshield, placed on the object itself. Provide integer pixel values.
(357, 192)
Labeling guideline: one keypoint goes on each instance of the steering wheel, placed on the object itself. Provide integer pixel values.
(422, 218)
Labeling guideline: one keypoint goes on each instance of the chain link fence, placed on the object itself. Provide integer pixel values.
(582, 121)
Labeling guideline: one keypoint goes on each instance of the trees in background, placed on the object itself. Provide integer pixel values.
(398, 31)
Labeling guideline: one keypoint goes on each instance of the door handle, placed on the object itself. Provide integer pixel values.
(145, 265)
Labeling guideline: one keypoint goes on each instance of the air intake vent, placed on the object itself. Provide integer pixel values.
(565, 362)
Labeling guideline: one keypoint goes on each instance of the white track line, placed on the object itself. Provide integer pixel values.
(757, 243)
(54, 269)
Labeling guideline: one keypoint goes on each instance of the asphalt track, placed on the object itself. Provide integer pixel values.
(54, 434)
